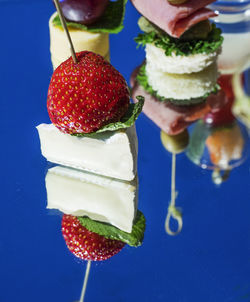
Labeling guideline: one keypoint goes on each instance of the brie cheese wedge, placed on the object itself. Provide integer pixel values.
(81, 39)
(84, 194)
(111, 153)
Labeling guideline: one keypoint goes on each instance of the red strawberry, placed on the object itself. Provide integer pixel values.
(85, 244)
(86, 96)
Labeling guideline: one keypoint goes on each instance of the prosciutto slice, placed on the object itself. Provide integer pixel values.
(170, 118)
(174, 19)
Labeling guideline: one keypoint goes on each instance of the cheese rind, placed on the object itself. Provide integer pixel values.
(81, 39)
(112, 154)
(84, 194)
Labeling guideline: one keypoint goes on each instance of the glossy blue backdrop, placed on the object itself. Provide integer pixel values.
(208, 261)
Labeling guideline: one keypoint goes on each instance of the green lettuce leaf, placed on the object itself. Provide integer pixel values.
(180, 47)
(126, 121)
(134, 238)
(111, 21)
(143, 81)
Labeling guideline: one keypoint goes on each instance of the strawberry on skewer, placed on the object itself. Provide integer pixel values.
(86, 96)
(87, 245)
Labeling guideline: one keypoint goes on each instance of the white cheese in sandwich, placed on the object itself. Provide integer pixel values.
(111, 153)
(82, 40)
(84, 194)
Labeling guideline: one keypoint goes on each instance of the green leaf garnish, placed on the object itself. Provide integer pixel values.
(180, 47)
(134, 238)
(110, 22)
(126, 121)
(143, 81)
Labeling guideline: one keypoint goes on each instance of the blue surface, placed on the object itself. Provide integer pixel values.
(208, 261)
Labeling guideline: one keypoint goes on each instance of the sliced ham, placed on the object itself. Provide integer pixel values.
(170, 118)
(174, 19)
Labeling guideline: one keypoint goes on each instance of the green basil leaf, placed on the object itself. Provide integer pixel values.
(180, 47)
(126, 121)
(134, 238)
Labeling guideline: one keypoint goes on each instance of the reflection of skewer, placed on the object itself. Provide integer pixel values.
(172, 210)
(174, 144)
(86, 277)
(59, 10)
(219, 176)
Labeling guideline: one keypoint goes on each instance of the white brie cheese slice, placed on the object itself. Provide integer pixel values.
(111, 153)
(84, 194)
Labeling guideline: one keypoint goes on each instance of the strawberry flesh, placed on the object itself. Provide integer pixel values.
(86, 96)
(85, 244)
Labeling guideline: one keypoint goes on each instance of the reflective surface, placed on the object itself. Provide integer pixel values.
(208, 261)
(224, 147)
(234, 20)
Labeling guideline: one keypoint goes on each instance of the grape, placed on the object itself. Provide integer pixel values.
(175, 143)
(83, 11)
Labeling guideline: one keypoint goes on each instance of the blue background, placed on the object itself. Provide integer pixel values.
(208, 261)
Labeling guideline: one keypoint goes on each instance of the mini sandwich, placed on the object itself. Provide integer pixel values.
(180, 70)
(89, 24)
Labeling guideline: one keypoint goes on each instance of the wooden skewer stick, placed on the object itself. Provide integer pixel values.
(86, 277)
(60, 13)
(172, 210)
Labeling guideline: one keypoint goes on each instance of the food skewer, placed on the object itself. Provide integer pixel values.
(73, 54)
(178, 74)
(85, 282)
(89, 239)
(174, 144)
(172, 210)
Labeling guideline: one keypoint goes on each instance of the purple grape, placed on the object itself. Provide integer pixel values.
(83, 11)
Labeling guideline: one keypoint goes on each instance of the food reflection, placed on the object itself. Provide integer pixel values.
(219, 142)
(102, 205)
(174, 144)
(218, 147)
(178, 74)
(225, 145)
(103, 199)
(233, 19)
(100, 213)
